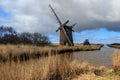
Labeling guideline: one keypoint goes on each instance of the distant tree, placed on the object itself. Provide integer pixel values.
(115, 44)
(40, 39)
(35, 38)
(8, 35)
(86, 42)
(25, 38)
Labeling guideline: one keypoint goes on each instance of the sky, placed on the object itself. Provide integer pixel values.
(97, 20)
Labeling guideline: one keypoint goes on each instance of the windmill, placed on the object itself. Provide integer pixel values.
(66, 37)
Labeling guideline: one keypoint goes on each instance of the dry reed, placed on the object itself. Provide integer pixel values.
(114, 46)
(54, 67)
(116, 60)
(26, 52)
(57, 67)
(47, 68)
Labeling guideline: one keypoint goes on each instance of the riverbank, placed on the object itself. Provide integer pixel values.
(26, 52)
(114, 46)
(55, 68)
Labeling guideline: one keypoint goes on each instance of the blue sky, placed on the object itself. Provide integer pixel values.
(96, 21)
(95, 36)
(98, 36)
(3, 13)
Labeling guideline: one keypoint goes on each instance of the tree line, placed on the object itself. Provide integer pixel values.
(8, 35)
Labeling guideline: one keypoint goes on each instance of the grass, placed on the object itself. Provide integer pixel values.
(114, 46)
(47, 68)
(54, 67)
(116, 58)
(26, 52)
(116, 63)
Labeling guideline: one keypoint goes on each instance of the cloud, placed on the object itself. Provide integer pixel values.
(92, 14)
(28, 15)
(36, 16)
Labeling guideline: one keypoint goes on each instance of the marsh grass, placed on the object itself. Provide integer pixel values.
(47, 68)
(53, 67)
(116, 58)
(114, 46)
(26, 52)
(116, 62)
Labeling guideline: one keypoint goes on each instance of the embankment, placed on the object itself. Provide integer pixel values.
(25, 52)
(114, 46)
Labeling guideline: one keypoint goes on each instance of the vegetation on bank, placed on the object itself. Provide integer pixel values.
(57, 67)
(53, 67)
(9, 36)
(116, 62)
(114, 45)
(26, 52)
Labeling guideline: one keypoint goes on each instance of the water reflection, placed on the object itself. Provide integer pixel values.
(95, 58)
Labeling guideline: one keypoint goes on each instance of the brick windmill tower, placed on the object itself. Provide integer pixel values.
(66, 37)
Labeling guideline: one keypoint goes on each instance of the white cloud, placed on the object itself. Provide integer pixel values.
(36, 16)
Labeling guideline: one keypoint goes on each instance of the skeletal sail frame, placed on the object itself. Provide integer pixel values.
(66, 37)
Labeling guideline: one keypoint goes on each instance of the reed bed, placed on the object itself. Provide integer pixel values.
(53, 67)
(114, 46)
(50, 68)
(26, 52)
(116, 60)
(94, 77)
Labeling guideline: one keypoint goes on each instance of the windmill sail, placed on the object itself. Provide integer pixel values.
(55, 15)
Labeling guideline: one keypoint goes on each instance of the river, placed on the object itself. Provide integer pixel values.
(95, 58)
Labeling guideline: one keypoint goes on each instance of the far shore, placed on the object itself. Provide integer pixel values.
(26, 52)
(114, 46)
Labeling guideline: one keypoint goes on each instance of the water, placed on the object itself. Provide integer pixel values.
(95, 58)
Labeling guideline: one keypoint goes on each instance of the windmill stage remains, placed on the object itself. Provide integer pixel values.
(66, 37)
